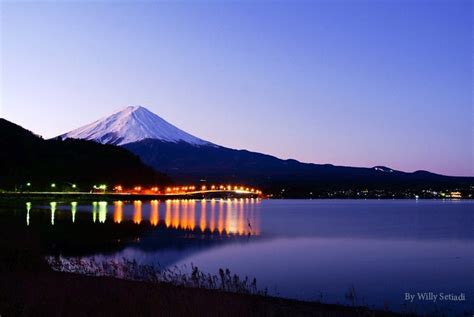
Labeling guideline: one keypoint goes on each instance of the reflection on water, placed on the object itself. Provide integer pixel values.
(137, 211)
(102, 211)
(94, 211)
(28, 208)
(73, 210)
(222, 216)
(154, 216)
(118, 213)
(53, 210)
(168, 214)
(190, 215)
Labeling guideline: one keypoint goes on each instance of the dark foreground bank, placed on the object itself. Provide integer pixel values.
(63, 294)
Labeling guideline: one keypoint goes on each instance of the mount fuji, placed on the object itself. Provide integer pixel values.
(132, 124)
(187, 158)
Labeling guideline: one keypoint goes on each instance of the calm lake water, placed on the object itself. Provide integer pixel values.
(304, 249)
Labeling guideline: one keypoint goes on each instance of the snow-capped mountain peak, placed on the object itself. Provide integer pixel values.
(132, 124)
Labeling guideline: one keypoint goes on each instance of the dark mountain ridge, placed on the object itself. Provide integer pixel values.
(27, 158)
(189, 163)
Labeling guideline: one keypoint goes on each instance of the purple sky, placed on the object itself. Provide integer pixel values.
(358, 83)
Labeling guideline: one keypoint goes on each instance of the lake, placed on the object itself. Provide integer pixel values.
(376, 250)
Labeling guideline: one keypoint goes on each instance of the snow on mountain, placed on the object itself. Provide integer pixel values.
(132, 124)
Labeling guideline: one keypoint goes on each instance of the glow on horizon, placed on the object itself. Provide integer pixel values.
(358, 83)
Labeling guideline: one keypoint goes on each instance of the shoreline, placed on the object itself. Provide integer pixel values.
(24, 196)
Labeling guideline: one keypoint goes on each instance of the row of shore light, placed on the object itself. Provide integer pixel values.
(187, 189)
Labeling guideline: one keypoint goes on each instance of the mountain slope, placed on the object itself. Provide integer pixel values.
(26, 157)
(131, 124)
(187, 163)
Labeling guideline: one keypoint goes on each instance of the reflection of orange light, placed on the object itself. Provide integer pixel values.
(240, 220)
(168, 213)
(229, 228)
(220, 217)
(192, 215)
(118, 212)
(175, 216)
(202, 222)
(184, 215)
(212, 224)
(137, 211)
(154, 216)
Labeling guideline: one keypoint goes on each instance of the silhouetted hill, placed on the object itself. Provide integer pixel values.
(26, 157)
(215, 164)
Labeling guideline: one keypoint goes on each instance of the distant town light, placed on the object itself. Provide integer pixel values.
(53, 185)
(73, 185)
(28, 184)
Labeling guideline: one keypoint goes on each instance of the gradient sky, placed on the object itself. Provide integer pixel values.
(358, 83)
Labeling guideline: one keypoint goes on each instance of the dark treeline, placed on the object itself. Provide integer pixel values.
(27, 158)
